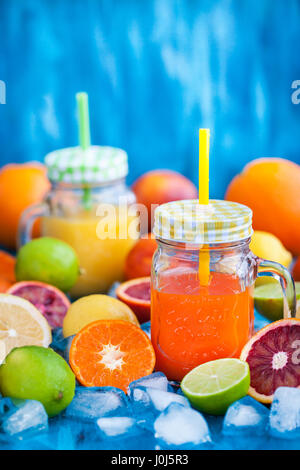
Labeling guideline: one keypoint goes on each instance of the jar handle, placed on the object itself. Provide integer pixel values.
(27, 220)
(279, 272)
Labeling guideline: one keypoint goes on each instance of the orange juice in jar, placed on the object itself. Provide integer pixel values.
(89, 207)
(203, 278)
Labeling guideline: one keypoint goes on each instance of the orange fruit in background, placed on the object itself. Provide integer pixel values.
(21, 185)
(139, 259)
(111, 353)
(7, 271)
(271, 188)
(160, 186)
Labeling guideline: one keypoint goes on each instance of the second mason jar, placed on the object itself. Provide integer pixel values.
(203, 276)
(89, 207)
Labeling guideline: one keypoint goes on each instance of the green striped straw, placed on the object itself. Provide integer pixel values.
(84, 137)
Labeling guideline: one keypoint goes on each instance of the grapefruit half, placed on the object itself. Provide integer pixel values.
(273, 355)
(137, 295)
(50, 301)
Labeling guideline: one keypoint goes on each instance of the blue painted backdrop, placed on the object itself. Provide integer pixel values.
(155, 70)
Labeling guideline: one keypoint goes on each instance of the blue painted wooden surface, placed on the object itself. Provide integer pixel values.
(156, 70)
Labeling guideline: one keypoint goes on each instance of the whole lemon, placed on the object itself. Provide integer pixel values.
(95, 307)
(265, 245)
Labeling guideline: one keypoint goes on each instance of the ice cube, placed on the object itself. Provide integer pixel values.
(90, 403)
(285, 413)
(142, 408)
(161, 399)
(116, 426)
(158, 400)
(157, 380)
(181, 427)
(29, 416)
(246, 416)
(147, 403)
(122, 432)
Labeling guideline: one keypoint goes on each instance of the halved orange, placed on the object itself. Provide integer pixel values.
(111, 353)
(273, 355)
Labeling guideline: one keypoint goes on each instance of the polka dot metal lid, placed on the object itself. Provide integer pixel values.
(91, 166)
(189, 222)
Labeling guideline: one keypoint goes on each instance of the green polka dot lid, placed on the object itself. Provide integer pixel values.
(95, 164)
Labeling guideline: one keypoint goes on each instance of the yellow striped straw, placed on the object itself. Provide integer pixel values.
(204, 137)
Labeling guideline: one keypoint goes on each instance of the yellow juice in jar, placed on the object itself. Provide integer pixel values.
(101, 260)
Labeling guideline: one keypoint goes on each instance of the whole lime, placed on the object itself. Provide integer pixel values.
(37, 373)
(48, 260)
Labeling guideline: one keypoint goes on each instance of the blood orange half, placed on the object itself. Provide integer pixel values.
(111, 353)
(273, 355)
(50, 301)
(137, 295)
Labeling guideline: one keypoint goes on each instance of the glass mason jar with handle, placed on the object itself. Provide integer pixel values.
(202, 284)
(89, 207)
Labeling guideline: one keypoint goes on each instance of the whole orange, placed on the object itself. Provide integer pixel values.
(20, 186)
(161, 186)
(139, 260)
(271, 188)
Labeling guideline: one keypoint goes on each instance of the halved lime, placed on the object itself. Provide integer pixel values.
(268, 300)
(212, 387)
